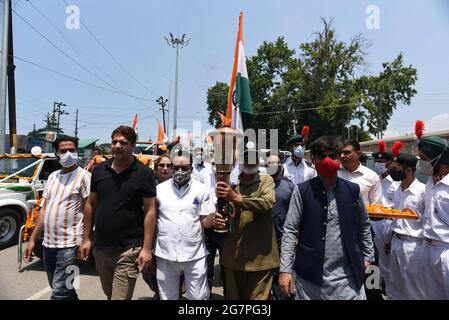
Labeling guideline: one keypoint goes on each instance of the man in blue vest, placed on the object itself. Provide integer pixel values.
(327, 218)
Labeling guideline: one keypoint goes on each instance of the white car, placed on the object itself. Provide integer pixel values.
(22, 181)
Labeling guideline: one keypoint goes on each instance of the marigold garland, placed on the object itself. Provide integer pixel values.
(32, 216)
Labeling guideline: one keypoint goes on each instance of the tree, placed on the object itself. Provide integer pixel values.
(324, 87)
(217, 99)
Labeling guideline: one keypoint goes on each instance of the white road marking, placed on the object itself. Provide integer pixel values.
(39, 294)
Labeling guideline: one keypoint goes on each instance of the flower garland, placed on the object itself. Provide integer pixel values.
(32, 216)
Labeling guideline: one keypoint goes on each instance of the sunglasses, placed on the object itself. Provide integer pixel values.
(164, 165)
(182, 168)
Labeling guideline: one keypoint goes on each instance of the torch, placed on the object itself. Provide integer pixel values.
(225, 141)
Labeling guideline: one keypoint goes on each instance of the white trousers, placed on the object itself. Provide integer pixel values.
(383, 232)
(434, 258)
(406, 281)
(168, 274)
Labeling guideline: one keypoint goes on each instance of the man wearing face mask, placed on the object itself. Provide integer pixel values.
(185, 208)
(296, 169)
(434, 253)
(61, 218)
(283, 193)
(250, 251)
(327, 217)
(405, 268)
(202, 171)
(382, 161)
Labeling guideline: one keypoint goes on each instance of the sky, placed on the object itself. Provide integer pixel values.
(141, 66)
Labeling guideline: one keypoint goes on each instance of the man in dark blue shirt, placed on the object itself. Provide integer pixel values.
(283, 191)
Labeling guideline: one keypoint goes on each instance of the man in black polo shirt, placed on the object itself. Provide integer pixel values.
(122, 205)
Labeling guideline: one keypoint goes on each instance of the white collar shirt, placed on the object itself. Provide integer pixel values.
(436, 215)
(298, 174)
(389, 186)
(204, 174)
(368, 181)
(180, 232)
(412, 198)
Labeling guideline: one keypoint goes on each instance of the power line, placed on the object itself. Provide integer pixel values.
(71, 58)
(81, 81)
(112, 56)
(67, 40)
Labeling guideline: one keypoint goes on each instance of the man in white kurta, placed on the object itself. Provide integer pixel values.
(184, 208)
(405, 277)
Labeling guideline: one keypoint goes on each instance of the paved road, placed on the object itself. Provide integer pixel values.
(31, 281)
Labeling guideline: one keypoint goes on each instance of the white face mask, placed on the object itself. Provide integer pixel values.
(68, 159)
(198, 159)
(379, 167)
(299, 151)
(424, 167)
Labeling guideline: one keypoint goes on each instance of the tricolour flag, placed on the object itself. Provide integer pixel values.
(239, 110)
(136, 126)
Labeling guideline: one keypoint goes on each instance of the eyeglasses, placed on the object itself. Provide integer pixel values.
(182, 168)
(164, 165)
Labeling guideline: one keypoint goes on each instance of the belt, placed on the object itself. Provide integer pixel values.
(404, 237)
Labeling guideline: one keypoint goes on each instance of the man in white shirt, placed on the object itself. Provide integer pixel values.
(202, 171)
(382, 162)
(434, 253)
(184, 209)
(405, 281)
(371, 190)
(296, 169)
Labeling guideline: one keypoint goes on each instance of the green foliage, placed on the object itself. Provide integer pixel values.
(325, 86)
(217, 99)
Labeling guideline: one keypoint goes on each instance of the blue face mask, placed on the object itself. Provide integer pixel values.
(299, 151)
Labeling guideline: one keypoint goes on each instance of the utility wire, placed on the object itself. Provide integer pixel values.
(73, 60)
(67, 40)
(81, 81)
(112, 56)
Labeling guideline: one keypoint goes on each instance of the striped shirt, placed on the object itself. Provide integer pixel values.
(65, 195)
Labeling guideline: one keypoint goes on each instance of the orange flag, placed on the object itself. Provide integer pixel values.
(189, 143)
(160, 133)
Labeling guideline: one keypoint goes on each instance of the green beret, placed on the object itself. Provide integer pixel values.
(406, 159)
(297, 138)
(382, 155)
(434, 147)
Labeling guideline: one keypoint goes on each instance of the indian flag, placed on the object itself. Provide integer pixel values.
(239, 110)
(136, 126)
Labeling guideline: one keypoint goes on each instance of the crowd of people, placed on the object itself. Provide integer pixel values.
(299, 228)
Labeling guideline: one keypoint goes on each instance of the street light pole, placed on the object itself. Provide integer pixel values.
(176, 42)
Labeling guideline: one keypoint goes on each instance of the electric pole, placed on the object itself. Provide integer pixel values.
(162, 102)
(11, 89)
(76, 124)
(3, 73)
(57, 110)
(176, 43)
